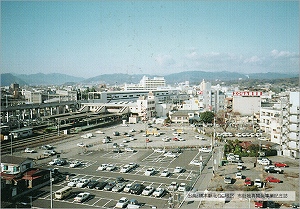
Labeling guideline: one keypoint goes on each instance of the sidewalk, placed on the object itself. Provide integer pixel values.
(201, 185)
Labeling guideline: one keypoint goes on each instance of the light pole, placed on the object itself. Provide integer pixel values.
(51, 198)
(11, 143)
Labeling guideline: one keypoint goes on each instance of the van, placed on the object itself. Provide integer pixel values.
(62, 193)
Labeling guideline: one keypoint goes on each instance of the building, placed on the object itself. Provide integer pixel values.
(281, 123)
(14, 165)
(147, 84)
(246, 102)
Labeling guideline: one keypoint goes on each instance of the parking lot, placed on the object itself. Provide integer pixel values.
(150, 152)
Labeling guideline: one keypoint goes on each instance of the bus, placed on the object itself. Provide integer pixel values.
(62, 193)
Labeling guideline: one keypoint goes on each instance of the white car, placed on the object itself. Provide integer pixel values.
(126, 168)
(122, 203)
(127, 187)
(102, 167)
(129, 149)
(196, 162)
(173, 186)
(238, 175)
(182, 187)
(49, 153)
(166, 139)
(170, 154)
(204, 149)
(181, 139)
(165, 173)
(258, 183)
(158, 150)
(73, 182)
(148, 190)
(75, 164)
(149, 172)
(28, 150)
(158, 192)
(82, 197)
(110, 167)
(178, 169)
(82, 183)
(99, 132)
(133, 165)
(81, 144)
(54, 161)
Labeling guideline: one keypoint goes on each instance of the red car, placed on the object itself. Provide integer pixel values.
(259, 204)
(175, 139)
(277, 164)
(248, 182)
(272, 179)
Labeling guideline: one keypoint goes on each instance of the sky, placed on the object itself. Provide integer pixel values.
(91, 38)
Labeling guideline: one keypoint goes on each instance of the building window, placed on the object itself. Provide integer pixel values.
(5, 167)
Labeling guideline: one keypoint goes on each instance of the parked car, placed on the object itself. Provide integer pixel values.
(240, 166)
(182, 187)
(125, 169)
(173, 186)
(92, 184)
(47, 147)
(54, 161)
(258, 183)
(61, 162)
(109, 186)
(170, 154)
(100, 185)
(204, 149)
(127, 187)
(165, 173)
(73, 182)
(82, 197)
(122, 203)
(111, 167)
(159, 192)
(227, 180)
(272, 179)
(196, 162)
(133, 203)
(149, 172)
(81, 144)
(273, 169)
(137, 189)
(277, 164)
(75, 164)
(28, 150)
(102, 167)
(159, 150)
(178, 170)
(129, 149)
(148, 190)
(82, 183)
(238, 175)
(248, 182)
(118, 187)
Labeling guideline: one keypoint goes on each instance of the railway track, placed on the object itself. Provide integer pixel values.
(32, 142)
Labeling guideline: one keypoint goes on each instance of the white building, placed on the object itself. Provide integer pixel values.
(212, 99)
(246, 103)
(281, 123)
(147, 84)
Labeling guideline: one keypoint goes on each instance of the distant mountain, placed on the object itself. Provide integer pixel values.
(48, 79)
(8, 78)
(193, 77)
(116, 79)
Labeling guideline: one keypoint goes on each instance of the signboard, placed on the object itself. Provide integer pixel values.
(247, 93)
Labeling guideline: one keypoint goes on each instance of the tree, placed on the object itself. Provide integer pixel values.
(207, 117)
(223, 119)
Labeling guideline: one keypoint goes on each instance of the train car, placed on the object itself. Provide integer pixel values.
(22, 133)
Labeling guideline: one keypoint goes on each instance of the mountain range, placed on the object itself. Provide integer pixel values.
(119, 78)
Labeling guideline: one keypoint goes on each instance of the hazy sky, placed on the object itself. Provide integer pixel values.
(90, 38)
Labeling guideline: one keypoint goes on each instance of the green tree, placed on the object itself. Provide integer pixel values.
(207, 117)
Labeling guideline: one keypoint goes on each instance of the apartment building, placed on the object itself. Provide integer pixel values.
(146, 84)
(281, 124)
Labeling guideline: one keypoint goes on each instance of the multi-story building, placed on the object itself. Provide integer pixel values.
(147, 84)
(281, 123)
